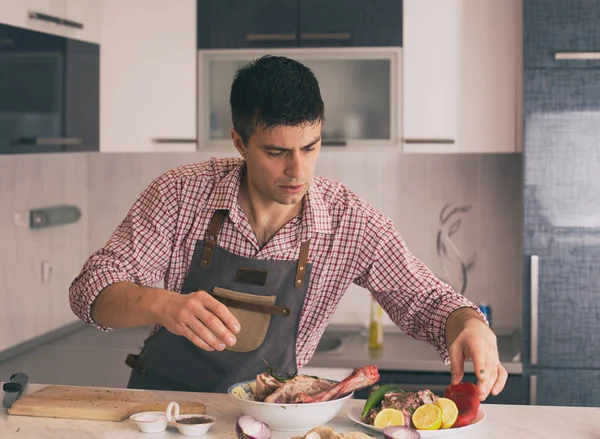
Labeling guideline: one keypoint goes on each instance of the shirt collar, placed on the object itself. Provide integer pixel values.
(315, 214)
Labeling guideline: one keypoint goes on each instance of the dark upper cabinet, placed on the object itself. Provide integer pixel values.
(350, 23)
(224, 24)
(563, 27)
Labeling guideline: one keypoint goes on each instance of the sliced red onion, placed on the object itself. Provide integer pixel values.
(400, 433)
(249, 428)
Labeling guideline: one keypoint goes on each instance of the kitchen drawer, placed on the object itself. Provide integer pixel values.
(515, 392)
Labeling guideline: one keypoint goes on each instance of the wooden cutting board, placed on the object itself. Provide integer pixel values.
(93, 403)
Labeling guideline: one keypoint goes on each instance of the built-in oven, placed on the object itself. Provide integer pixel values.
(49, 92)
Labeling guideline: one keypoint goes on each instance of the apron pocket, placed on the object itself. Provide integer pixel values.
(254, 314)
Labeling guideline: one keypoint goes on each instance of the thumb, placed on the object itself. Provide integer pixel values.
(457, 366)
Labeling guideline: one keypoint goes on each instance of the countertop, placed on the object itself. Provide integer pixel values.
(502, 421)
(401, 352)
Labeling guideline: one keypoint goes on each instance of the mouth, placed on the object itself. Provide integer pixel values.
(291, 188)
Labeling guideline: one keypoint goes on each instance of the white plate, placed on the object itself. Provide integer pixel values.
(354, 414)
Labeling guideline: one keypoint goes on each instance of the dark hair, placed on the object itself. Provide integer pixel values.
(274, 91)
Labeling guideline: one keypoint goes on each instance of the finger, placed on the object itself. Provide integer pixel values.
(223, 313)
(457, 364)
(204, 333)
(481, 372)
(216, 326)
(500, 380)
(491, 376)
(191, 336)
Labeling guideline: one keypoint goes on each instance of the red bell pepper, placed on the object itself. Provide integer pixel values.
(465, 397)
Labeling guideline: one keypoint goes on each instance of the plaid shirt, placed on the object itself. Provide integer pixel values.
(350, 242)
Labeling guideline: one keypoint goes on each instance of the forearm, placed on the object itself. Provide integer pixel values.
(458, 320)
(127, 305)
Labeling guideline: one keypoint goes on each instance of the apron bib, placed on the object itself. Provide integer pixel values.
(266, 296)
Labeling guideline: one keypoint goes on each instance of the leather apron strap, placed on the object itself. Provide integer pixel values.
(302, 261)
(212, 235)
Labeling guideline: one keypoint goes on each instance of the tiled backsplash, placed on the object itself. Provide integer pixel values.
(411, 189)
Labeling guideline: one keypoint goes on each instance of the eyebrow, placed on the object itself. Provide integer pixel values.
(282, 149)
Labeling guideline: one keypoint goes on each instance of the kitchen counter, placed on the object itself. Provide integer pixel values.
(502, 421)
(403, 353)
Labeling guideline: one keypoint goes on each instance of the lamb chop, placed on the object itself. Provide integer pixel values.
(362, 377)
(301, 384)
(406, 402)
(265, 385)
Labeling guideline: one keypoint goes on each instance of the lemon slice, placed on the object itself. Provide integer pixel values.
(449, 412)
(427, 417)
(389, 418)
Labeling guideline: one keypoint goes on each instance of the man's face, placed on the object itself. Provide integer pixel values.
(281, 161)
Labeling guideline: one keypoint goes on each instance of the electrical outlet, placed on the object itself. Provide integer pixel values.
(47, 269)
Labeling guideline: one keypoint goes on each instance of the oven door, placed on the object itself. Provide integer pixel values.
(49, 92)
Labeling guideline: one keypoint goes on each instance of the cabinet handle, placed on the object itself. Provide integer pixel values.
(533, 381)
(56, 20)
(270, 37)
(338, 36)
(577, 56)
(535, 274)
(442, 141)
(173, 140)
(47, 141)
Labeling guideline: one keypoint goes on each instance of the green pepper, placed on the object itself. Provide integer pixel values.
(377, 395)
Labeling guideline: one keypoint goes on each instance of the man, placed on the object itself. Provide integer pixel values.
(256, 253)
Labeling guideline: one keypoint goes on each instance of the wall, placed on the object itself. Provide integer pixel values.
(28, 307)
(410, 189)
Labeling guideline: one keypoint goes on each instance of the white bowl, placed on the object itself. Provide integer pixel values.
(172, 416)
(150, 422)
(285, 417)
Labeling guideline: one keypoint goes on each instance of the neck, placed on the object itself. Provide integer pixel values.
(266, 216)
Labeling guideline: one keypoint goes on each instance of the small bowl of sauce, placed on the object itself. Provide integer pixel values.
(195, 424)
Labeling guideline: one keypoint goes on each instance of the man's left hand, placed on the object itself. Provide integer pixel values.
(468, 337)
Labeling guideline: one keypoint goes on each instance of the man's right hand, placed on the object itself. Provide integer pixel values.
(200, 318)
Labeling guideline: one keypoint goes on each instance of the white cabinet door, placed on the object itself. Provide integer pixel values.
(461, 77)
(77, 19)
(87, 14)
(491, 71)
(148, 76)
(430, 73)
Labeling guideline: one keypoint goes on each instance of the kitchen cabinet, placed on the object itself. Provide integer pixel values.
(350, 23)
(561, 237)
(148, 76)
(75, 19)
(461, 76)
(560, 34)
(240, 23)
(366, 116)
(298, 23)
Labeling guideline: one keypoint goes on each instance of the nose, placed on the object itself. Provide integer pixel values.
(294, 166)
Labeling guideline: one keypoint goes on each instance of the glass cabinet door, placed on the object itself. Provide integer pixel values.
(359, 92)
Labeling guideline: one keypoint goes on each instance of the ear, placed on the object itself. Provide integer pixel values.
(238, 143)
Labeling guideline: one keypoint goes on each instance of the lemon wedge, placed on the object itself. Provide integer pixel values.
(389, 418)
(427, 417)
(449, 412)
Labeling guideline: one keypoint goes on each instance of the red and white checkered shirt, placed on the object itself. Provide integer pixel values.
(350, 242)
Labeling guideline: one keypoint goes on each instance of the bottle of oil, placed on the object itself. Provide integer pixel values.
(375, 326)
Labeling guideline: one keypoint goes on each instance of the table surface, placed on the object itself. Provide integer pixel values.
(502, 421)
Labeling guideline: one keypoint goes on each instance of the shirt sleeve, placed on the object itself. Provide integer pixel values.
(413, 297)
(138, 251)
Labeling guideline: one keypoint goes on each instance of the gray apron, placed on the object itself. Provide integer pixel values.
(266, 296)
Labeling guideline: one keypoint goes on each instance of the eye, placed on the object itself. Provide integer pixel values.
(275, 153)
